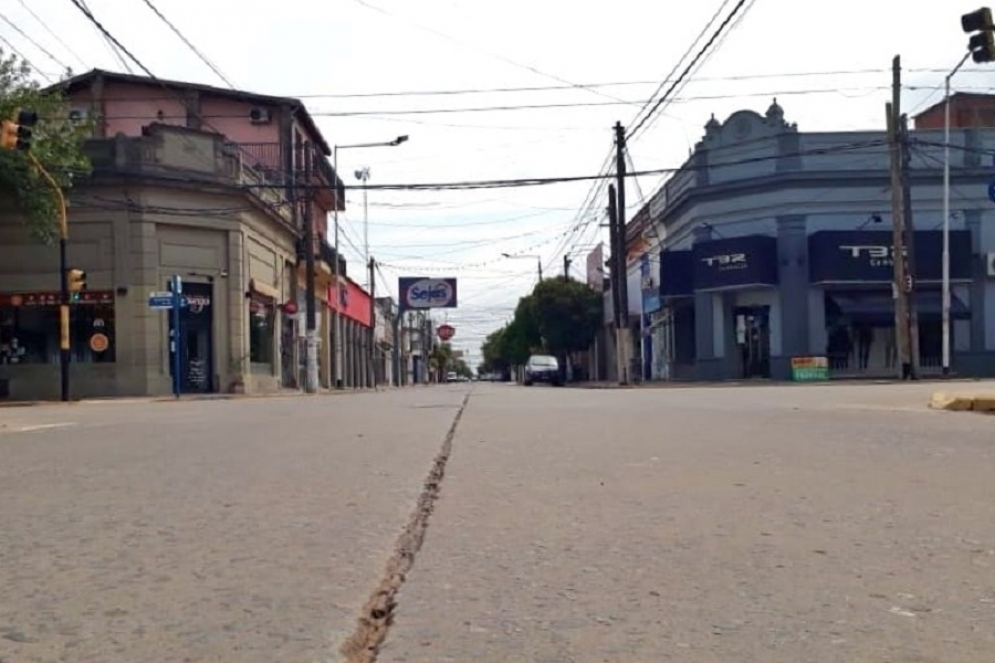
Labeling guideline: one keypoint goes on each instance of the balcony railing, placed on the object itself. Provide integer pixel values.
(269, 160)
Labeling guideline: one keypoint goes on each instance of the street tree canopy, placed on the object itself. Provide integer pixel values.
(57, 143)
(444, 359)
(568, 314)
(561, 316)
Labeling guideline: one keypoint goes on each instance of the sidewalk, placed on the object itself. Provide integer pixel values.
(287, 393)
(685, 384)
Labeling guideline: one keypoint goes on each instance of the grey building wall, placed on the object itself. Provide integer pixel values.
(757, 174)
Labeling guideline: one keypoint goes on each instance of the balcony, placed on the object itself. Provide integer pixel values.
(269, 161)
(175, 156)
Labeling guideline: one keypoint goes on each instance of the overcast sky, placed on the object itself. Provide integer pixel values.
(827, 63)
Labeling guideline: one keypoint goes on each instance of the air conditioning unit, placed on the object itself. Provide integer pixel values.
(260, 115)
(991, 265)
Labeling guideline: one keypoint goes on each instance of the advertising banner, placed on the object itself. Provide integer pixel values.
(735, 262)
(867, 256)
(419, 293)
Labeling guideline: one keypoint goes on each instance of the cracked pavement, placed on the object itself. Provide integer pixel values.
(820, 523)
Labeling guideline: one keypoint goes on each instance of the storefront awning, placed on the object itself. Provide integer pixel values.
(879, 308)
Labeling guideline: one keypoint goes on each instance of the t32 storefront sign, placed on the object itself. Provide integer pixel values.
(868, 256)
(735, 262)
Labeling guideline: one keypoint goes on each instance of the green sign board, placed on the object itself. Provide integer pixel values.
(809, 369)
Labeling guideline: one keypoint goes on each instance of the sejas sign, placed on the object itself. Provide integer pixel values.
(425, 293)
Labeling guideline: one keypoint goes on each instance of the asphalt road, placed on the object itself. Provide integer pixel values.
(793, 523)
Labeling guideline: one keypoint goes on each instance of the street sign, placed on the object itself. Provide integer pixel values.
(446, 332)
(161, 300)
(991, 192)
(172, 300)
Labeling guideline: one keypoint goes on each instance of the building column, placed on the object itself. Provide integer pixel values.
(792, 290)
(704, 321)
(233, 347)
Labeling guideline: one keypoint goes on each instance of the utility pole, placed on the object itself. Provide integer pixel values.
(900, 285)
(623, 289)
(539, 263)
(910, 246)
(566, 266)
(336, 318)
(614, 280)
(311, 331)
(373, 323)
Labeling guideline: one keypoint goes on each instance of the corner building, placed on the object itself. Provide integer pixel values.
(775, 244)
(187, 180)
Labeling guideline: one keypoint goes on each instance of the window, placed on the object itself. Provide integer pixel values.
(29, 329)
(261, 332)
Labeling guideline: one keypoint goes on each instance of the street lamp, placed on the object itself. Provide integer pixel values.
(336, 318)
(538, 260)
(363, 175)
(980, 48)
(946, 214)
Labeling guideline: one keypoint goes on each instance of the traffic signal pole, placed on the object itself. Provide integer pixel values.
(65, 349)
(981, 49)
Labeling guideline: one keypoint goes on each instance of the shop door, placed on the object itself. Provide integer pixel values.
(753, 340)
(197, 335)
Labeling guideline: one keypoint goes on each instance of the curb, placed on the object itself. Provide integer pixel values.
(963, 402)
(187, 398)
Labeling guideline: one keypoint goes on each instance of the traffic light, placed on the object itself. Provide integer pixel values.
(982, 43)
(16, 134)
(77, 283)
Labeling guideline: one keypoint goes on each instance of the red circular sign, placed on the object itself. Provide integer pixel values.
(290, 308)
(446, 332)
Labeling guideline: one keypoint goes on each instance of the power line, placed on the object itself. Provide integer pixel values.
(33, 42)
(687, 70)
(541, 181)
(47, 29)
(670, 75)
(196, 51)
(560, 105)
(115, 53)
(25, 59)
(89, 15)
(553, 88)
(526, 67)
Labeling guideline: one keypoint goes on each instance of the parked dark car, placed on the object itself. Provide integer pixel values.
(542, 368)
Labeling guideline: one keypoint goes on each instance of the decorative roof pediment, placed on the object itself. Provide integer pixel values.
(746, 125)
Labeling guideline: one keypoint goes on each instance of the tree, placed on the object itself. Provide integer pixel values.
(443, 359)
(560, 317)
(568, 314)
(57, 143)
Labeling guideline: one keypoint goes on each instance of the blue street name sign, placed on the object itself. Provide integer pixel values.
(161, 300)
(172, 300)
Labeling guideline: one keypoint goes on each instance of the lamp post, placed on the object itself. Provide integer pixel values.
(946, 213)
(336, 318)
(538, 260)
(363, 175)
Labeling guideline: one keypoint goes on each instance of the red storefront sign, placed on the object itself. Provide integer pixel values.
(353, 302)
